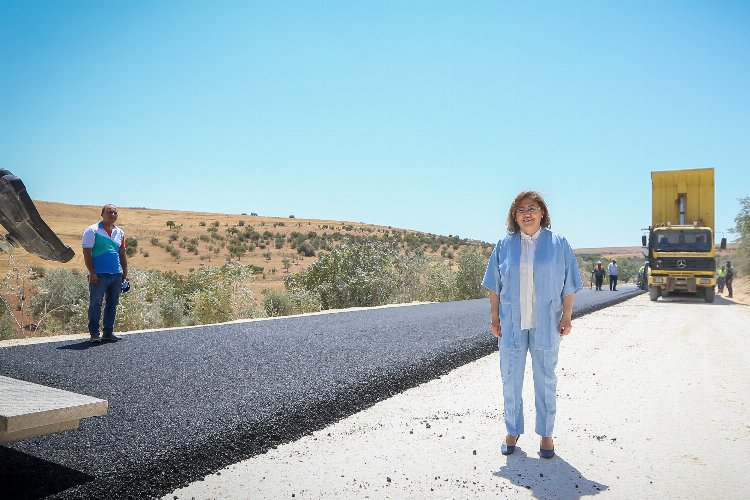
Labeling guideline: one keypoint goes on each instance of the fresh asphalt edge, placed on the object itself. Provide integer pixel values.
(179, 467)
(610, 302)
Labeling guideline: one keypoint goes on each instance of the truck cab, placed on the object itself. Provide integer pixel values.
(680, 243)
(682, 260)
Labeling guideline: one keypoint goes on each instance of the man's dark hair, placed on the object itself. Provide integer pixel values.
(107, 205)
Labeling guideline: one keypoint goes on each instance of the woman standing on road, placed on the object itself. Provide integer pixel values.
(532, 276)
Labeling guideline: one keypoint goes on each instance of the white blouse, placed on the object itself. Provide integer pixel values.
(528, 246)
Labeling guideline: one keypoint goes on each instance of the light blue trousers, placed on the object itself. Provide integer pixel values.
(512, 367)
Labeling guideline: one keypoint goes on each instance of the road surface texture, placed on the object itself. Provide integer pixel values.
(653, 403)
(184, 403)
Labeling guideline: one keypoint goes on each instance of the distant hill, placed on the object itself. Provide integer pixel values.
(637, 252)
(180, 240)
(612, 252)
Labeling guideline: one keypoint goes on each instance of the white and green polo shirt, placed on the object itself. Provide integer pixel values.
(104, 248)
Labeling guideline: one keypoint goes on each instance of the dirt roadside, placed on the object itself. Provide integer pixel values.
(653, 403)
(741, 288)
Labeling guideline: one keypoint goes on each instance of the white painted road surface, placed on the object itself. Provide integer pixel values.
(654, 402)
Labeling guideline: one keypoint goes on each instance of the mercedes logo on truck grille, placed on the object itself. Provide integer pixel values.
(682, 263)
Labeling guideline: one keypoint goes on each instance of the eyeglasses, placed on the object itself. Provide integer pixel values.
(530, 210)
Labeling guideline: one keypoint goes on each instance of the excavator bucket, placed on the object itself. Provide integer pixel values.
(25, 227)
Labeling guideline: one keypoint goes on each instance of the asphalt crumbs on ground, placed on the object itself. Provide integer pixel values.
(184, 403)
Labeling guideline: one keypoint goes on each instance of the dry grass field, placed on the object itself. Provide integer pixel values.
(612, 252)
(637, 252)
(69, 221)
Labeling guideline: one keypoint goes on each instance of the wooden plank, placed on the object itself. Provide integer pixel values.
(28, 409)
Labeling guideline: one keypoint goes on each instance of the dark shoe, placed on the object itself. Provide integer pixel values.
(110, 338)
(546, 453)
(95, 340)
(507, 449)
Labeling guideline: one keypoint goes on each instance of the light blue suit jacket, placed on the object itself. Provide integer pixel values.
(555, 276)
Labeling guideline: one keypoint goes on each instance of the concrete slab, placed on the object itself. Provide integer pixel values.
(28, 410)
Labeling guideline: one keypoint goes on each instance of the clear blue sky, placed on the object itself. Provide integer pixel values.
(427, 115)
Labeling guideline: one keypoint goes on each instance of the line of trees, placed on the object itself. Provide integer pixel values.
(742, 229)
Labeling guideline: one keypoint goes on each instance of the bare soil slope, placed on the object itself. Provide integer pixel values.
(69, 222)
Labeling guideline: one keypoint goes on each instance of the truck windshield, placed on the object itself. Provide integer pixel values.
(682, 240)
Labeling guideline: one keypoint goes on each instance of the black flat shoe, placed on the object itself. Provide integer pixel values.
(507, 449)
(546, 453)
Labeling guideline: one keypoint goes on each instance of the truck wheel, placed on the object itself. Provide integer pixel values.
(653, 293)
(710, 294)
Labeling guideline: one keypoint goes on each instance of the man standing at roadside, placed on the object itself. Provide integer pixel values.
(599, 275)
(729, 278)
(721, 279)
(104, 255)
(612, 269)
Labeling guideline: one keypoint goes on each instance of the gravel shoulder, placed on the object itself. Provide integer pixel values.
(653, 403)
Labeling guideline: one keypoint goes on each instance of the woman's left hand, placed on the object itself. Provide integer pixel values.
(566, 324)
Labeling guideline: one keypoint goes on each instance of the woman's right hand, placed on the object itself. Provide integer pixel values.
(496, 329)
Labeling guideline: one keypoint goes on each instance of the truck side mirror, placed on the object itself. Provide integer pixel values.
(723, 243)
(643, 240)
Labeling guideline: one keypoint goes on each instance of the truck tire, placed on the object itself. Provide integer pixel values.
(709, 295)
(653, 293)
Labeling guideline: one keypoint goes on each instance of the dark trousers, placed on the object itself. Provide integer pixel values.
(599, 282)
(728, 282)
(107, 287)
(613, 282)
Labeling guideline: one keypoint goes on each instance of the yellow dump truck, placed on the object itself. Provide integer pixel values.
(680, 240)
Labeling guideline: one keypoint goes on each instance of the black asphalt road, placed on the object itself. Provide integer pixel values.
(184, 403)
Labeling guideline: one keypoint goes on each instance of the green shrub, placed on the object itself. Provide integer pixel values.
(471, 268)
(211, 305)
(7, 327)
(355, 274)
(742, 229)
(131, 246)
(244, 306)
(277, 303)
(306, 249)
(304, 301)
(60, 296)
(411, 271)
(440, 285)
(152, 302)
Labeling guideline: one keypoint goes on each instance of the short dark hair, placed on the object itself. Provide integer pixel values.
(107, 205)
(511, 223)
